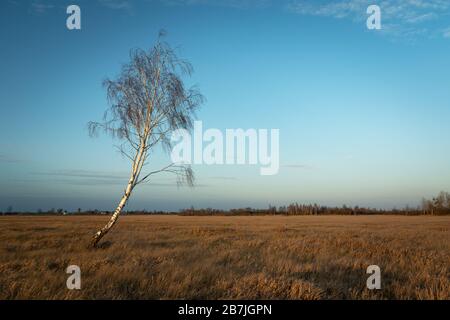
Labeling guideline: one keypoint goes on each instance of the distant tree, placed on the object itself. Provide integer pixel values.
(438, 205)
(148, 102)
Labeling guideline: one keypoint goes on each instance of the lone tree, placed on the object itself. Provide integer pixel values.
(148, 101)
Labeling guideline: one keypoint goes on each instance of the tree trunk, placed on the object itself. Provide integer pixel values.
(101, 233)
(136, 170)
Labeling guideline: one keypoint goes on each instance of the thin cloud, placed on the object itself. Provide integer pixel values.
(422, 18)
(82, 174)
(116, 4)
(349, 156)
(8, 159)
(14, 2)
(113, 182)
(89, 182)
(223, 178)
(400, 18)
(446, 33)
(41, 8)
(174, 184)
(297, 166)
(98, 178)
(239, 4)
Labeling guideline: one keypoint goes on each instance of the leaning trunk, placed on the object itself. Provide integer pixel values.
(137, 166)
(101, 233)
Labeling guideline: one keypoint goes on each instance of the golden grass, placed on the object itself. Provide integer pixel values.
(267, 257)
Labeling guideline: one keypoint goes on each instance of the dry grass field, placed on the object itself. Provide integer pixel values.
(268, 257)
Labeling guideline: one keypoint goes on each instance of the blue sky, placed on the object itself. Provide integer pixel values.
(363, 114)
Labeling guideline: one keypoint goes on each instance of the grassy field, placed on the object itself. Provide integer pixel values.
(268, 257)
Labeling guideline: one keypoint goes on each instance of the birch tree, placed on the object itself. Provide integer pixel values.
(148, 101)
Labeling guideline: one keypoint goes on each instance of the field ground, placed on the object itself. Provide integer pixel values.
(267, 257)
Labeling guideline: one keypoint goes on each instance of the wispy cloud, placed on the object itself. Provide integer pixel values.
(297, 166)
(408, 19)
(446, 33)
(116, 4)
(224, 178)
(8, 159)
(113, 182)
(219, 3)
(399, 17)
(82, 174)
(82, 177)
(98, 178)
(38, 7)
(14, 2)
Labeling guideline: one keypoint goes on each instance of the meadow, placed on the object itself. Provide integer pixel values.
(219, 257)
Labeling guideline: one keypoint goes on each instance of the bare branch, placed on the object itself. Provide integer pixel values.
(184, 173)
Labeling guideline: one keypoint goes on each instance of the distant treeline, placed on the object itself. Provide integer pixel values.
(439, 205)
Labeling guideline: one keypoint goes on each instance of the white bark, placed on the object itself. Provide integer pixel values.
(137, 166)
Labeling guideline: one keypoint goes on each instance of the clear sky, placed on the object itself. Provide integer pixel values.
(363, 114)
